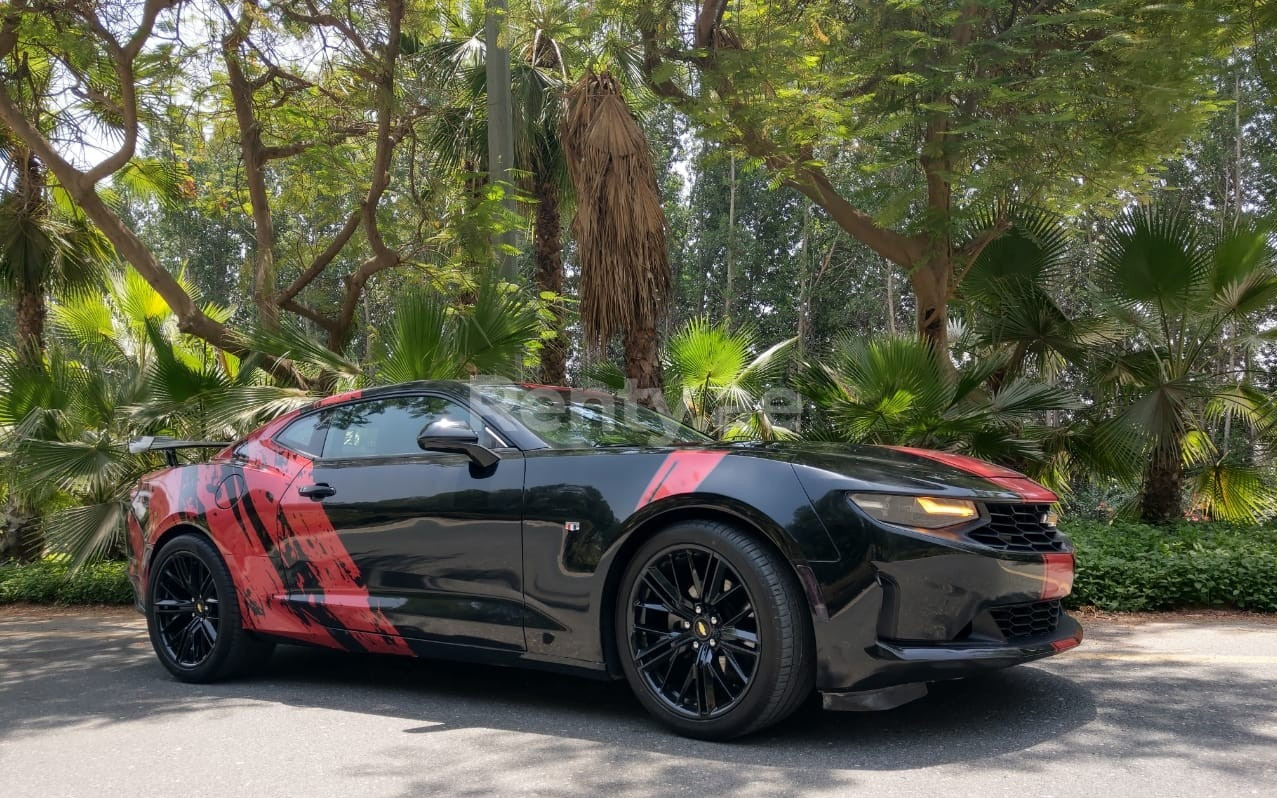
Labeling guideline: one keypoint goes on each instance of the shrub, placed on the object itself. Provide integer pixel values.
(1133, 567)
(48, 582)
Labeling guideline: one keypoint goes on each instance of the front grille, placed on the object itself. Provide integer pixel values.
(1019, 527)
(1023, 621)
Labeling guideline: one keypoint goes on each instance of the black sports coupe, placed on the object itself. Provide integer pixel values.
(548, 527)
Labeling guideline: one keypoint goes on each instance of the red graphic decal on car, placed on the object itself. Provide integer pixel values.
(682, 472)
(1057, 578)
(294, 577)
(1014, 481)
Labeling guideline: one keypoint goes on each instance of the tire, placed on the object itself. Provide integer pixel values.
(193, 616)
(747, 634)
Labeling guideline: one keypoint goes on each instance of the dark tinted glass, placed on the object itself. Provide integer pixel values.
(387, 427)
(571, 419)
(305, 435)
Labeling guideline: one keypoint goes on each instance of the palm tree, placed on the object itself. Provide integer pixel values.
(619, 227)
(428, 338)
(1192, 304)
(115, 369)
(896, 391)
(43, 249)
(46, 245)
(717, 381)
(720, 388)
(1010, 298)
(538, 76)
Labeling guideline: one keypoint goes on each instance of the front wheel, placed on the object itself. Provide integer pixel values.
(193, 617)
(715, 639)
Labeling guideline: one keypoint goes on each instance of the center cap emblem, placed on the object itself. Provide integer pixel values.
(702, 628)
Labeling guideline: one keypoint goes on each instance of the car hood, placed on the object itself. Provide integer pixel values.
(898, 469)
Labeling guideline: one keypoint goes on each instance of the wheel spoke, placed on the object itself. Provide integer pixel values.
(731, 633)
(712, 579)
(659, 651)
(719, 680)
(705, 699)
(731, 660)
(697, 584)
(666, 593)
(174, 605)
(186, 640)
(739, 616)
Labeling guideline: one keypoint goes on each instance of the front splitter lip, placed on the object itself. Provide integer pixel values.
(904, 663)
(1067, 635)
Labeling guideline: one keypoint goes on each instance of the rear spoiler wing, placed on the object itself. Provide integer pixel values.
(169, 446)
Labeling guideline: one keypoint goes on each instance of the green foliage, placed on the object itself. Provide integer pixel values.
(1131, 567)
(428, 338)
(52, 581)
(896, 391)
(1177, 290)
(117, 368)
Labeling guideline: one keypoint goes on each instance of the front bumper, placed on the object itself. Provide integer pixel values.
(918, 610)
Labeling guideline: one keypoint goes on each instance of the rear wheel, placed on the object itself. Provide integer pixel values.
(193, 617)
(714, 634)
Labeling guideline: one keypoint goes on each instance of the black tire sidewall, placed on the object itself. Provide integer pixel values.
(215, 665)
(742, 717)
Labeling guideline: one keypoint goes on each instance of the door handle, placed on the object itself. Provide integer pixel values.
(317, 491)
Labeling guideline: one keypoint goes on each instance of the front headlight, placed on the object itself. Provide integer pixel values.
(923, 512)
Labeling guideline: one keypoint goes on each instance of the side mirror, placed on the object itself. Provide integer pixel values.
(446, 435)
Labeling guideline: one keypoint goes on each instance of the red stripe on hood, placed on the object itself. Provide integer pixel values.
(1001, 476)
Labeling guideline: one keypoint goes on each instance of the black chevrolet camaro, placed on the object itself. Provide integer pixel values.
(554, 528)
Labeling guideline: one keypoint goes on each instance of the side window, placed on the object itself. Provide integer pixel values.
(305, 435)
(387, 427)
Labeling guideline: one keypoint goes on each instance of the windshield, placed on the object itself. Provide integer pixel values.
(572, 419)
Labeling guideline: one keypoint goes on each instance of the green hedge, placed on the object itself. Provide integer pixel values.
(1122, 567)
(48, 582)
(1133, 568)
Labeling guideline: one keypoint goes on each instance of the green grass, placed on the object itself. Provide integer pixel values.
(48, 582)
(1137, 568)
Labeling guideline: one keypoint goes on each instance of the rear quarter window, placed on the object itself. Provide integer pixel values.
(305, 435)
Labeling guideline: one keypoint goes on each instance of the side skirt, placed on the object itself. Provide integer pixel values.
(452, 652)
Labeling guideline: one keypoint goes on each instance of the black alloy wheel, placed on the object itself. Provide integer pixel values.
(694, 636)
(193, 615)
(713, 631)
(186, 607)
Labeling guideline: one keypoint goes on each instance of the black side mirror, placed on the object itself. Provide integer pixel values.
(446, 435)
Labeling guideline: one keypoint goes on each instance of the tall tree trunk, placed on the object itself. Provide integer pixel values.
(891, 297)
(500, 123)
(31, 312)
(805, 278)
(1161, 501)
(30, 308)
(731, 245)
(930, 283)
(547, 248)
(20, 537)
(643, 367)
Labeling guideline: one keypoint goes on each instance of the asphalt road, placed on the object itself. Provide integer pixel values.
(1148, 709)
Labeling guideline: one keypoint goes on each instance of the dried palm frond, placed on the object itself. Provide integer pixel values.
(619, 225)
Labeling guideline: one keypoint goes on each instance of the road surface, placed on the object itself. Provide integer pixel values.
(1165, 708)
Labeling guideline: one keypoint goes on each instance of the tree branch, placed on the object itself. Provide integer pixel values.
(387, 137)
(807, 178)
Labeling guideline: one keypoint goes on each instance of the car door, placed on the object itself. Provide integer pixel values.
(436, 539)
